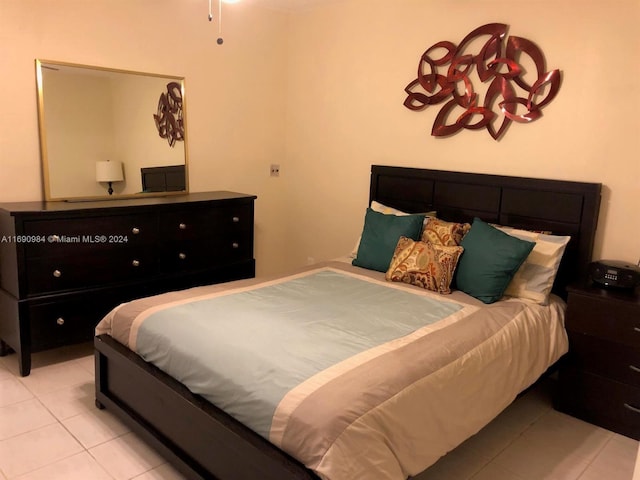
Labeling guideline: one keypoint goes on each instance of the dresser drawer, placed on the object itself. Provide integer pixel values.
(50, 274)
(594, 316)
(595, 399)
(206, 223)
(612, 360)
(235, 219)
(198, 255)
(66, 236)
(65, 322)
(186, 225)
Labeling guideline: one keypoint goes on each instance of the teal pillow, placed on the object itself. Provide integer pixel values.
(489, 262)
(380, 236)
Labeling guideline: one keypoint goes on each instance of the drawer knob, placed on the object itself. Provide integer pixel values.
(235, 245)
(54, 238)
(236, 219)
(135, 230)
(182, 226)
(60, 321)
(634, 368)
(637, 329)
(182, 256)
(57, 273)
(136, 263)
(632, 408)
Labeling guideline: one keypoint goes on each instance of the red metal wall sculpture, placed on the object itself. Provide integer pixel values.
(445, 73)
(169, 120)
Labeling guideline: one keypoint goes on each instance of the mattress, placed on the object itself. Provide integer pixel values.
(353, 376)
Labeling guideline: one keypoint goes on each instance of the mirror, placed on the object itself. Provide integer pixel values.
(104, 129)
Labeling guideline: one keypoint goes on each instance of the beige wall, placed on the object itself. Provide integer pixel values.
(320, 92)
(77, 136)
(349, 64)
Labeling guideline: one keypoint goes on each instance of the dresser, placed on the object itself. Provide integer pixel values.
(599, 379)
(64, 265)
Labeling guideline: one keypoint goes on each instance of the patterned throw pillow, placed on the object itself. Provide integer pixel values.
(534, 279)
(424, 264)
(440, 232)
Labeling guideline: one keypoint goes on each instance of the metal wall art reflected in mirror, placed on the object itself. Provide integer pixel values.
(98, 133)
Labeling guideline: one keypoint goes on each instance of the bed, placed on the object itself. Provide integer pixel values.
(203, 441)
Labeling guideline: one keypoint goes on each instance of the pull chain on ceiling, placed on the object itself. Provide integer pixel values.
(220, 40)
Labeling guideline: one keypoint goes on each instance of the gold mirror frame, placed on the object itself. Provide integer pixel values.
(89, 114)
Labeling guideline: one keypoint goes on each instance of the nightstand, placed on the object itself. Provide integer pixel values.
(600, 376)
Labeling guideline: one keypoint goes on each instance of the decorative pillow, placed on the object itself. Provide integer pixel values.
(489, 262)
(534, 279)
(440, 232)
(381, 208)
(380, 236)
(424, 264)
(504, 228)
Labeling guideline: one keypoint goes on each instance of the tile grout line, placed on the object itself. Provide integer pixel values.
(590, 462)
(60, 421)
(513, 440)
(85, 449)
(57, 421)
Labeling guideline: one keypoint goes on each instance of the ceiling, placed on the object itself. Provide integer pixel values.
(290, 4)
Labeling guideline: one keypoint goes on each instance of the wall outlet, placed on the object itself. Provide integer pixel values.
(275, 170)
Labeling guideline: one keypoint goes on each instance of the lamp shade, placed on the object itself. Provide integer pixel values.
(108, 171)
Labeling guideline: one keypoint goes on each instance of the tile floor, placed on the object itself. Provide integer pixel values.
(50, 430)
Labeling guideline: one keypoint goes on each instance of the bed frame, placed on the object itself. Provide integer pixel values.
(203, 442)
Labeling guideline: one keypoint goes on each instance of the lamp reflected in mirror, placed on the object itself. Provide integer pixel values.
(109, 172)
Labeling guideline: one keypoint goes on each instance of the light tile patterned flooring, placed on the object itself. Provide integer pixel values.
(50, 430)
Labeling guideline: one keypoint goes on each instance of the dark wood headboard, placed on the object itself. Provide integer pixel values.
(562, 207)
(164, 179)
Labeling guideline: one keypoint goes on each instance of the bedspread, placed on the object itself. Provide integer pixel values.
(353, 376)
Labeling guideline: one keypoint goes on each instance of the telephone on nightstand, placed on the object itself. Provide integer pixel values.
(615, 273)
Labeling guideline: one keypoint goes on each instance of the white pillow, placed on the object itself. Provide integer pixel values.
(534, 279)
(381, 208)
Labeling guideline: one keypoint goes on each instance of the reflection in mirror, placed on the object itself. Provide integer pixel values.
(92, 115)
